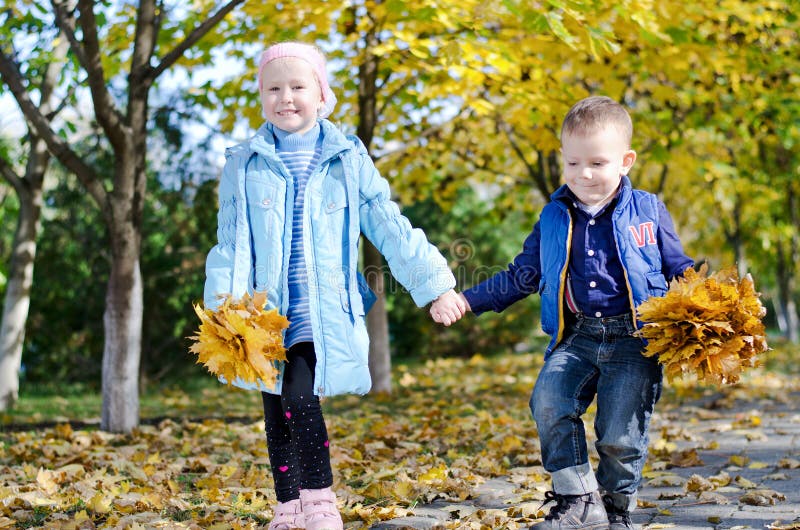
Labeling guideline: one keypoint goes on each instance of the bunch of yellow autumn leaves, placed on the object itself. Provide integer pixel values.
(241, 339)
(709, 325)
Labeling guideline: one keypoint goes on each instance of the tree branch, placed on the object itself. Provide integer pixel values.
(61, 106)
(11, 176)
(430, 131)
(537, 174)
(66, 24)
(57, 146)
(50, 77)
(388, 99)
(196, 34)
(105, 109)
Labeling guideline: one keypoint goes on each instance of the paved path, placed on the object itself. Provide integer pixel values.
(749, 460)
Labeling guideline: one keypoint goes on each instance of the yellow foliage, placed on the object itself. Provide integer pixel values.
(241, 340)
(709, 325)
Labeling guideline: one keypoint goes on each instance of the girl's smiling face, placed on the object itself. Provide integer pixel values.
(290, 94)
(594, 163)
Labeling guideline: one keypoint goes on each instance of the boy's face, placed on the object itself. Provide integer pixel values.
(290, 95)
(594, 162)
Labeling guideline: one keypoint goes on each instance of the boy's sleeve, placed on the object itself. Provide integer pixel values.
(219, 262)
(673, 259)
(520, 279)
(416, 263)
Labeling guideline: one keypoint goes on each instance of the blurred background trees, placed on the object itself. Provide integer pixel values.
(460, 104)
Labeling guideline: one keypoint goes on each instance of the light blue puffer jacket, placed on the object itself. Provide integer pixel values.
(345, 196)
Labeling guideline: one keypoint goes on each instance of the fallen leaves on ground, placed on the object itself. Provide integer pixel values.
(450, 427)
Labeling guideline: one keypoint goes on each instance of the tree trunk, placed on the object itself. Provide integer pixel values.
(786, 315)
(793, 322)
(785, 307)
(23, 254)
(124, 309)
(793, 319)
(122, 322)
(380, 359)
(18, 289)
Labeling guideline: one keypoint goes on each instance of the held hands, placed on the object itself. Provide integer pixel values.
(449, 308)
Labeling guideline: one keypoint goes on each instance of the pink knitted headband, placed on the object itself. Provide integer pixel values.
(312, 56)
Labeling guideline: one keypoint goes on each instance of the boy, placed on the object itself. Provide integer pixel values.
(599, 249)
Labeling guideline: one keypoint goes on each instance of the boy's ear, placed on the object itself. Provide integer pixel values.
(628, 158)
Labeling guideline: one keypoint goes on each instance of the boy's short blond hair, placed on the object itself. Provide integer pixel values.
(595, 112)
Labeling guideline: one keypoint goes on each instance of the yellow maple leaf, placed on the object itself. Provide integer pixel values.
(241, 339)
(709, 325)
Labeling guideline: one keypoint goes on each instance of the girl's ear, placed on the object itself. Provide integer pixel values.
(628, 159)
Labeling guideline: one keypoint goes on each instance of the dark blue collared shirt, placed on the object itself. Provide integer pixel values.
(595, 270)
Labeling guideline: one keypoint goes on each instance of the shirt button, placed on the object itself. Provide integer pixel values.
(592, 284)
(598, 314)
(331, 205)
(591, 221)
(266, 202)
(591, 252)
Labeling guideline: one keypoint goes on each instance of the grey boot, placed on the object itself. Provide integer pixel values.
(573, 512)
(618, 518)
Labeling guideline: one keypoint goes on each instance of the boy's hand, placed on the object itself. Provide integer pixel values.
(449, 308)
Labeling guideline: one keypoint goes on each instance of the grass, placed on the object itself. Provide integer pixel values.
(198, 396)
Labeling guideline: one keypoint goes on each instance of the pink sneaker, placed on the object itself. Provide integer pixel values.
(319, 508)
(288, 516)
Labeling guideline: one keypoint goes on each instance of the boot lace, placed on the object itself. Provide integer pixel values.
(563, 503)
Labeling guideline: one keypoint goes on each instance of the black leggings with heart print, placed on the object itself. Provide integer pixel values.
(297, 438)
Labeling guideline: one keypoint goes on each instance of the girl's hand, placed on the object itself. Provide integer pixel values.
(449, 308)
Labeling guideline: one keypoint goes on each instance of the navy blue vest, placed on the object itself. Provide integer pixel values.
(635, 220)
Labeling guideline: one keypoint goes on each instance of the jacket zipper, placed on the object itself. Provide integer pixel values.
(624, 272)
(562, 282)
(322, 362)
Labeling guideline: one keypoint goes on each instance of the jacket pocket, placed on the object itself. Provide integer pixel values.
(261, 195)
(656, 284)
(332, 201)
(353, 329)
(356, 308)
(334, 195)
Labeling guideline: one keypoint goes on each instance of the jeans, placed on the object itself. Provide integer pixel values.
(597, 356)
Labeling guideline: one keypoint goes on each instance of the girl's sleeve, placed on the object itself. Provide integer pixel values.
(413, 261)
(673, 259)
(517, 281)
(219, 262)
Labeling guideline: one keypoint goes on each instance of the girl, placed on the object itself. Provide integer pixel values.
(293, 202)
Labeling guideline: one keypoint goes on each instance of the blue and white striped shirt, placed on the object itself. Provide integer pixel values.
(300, 153)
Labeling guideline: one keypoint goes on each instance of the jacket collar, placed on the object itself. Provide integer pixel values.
(333, 141)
